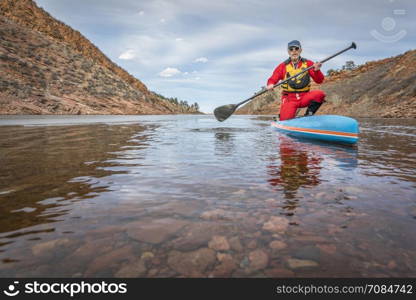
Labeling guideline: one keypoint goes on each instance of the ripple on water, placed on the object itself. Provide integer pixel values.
(174, 196)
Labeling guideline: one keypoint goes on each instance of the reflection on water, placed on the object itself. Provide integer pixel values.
(294, 167)
(44, 169)
(172, 196)
(224, 144)
(298, 164)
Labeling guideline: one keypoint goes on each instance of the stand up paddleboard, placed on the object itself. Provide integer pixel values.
(330, 128)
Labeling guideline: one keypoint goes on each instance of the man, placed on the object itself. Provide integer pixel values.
(296, 93)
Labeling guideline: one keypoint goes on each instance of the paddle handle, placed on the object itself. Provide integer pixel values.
(352, 46)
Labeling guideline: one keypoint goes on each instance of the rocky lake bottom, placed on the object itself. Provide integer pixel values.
(187, 196)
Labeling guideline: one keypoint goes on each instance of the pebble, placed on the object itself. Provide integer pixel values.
(235, 244)
(153, 272)
(147, 255)
(276, 224)
(272, 202)
(244, 262)
(333, 229)
(277, 245)
(392, 264)
(252, 244)
(239, 192)
(327, 248)
(320, 195)
(226, 267)
(258, 259)
(215, 214)
(219, 243)
(300, 263)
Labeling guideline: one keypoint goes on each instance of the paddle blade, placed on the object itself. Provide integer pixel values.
(222, 113)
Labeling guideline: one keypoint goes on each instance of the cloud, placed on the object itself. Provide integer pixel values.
(169, 72)
(129, 54)
(141, 13)
(201, 60)
(155, 45)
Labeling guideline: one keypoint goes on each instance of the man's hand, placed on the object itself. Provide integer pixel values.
(317, 66)
(270, 86)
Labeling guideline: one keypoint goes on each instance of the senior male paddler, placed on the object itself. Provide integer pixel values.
(296, 93)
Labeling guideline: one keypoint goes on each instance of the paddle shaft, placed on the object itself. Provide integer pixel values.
(353, 45)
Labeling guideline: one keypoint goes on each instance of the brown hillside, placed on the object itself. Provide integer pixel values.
(384, 88)
(28, 14)
(48, 68)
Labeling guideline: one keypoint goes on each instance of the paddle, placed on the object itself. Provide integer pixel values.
(223, 112)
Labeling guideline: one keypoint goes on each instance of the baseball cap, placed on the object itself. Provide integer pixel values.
(294, 43)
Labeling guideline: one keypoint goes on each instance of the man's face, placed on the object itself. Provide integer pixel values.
(294, 52)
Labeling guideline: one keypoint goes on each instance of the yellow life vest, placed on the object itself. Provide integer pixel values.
(302, 83)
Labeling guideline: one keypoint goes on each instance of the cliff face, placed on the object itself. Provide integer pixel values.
(384, 88)
(49, 68)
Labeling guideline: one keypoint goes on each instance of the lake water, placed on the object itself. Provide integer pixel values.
(187, 196)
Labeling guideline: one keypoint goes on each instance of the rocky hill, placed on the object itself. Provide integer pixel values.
(384, 88)
(49, 68)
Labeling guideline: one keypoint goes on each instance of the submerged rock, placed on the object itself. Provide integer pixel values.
(300, 263)
(327, 248)
(279, 273)
(219, 243)
(147, 255)
(308, 253)
(45, 247)
(277, 245)
(226, 267)
(109, 260)
(154, 231)
(191, 263)
(353, 190)
(258, 259)
(197, 235)
(216, 214)
(183, 208)
(252, 244)
(235, 244)
(135, 269)
(244, 262)
(276, 224)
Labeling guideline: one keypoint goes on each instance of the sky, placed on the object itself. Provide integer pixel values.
(219, 52)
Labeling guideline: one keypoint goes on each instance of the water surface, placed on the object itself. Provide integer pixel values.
(181, 196)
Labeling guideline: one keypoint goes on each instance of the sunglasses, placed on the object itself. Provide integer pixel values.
(294, 48)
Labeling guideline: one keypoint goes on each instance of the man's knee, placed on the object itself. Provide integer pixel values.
(319, 95)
